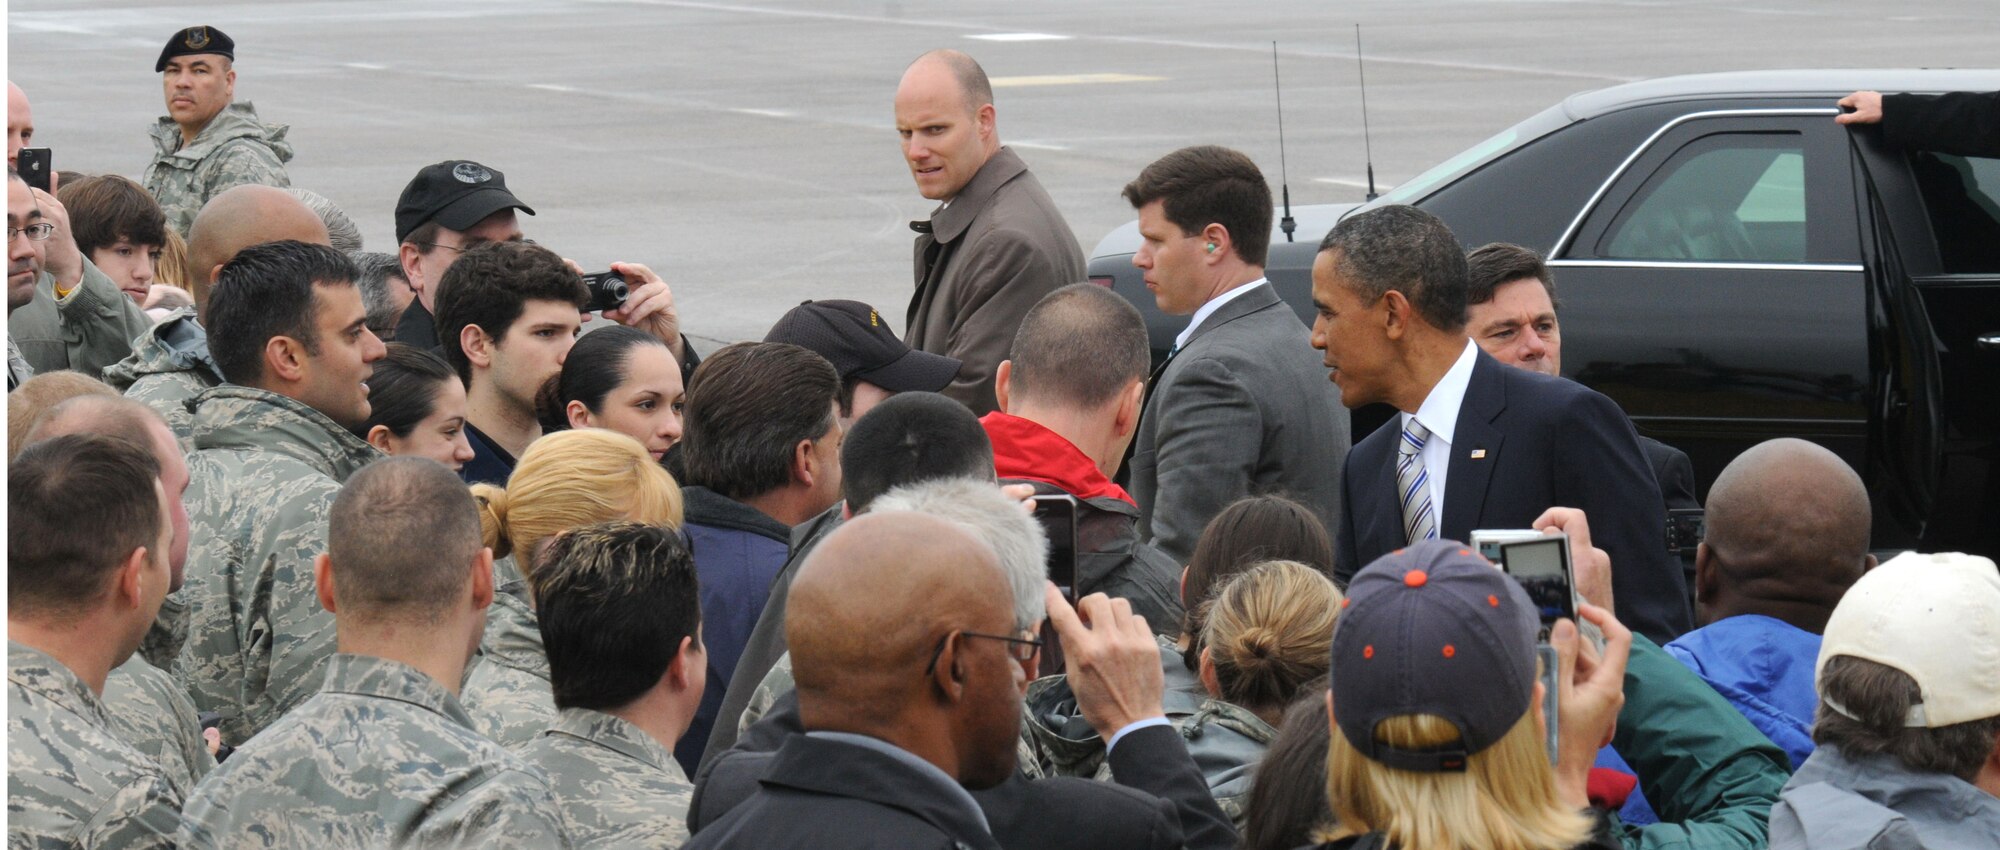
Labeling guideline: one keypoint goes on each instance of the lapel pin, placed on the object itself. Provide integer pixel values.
(1478, 454)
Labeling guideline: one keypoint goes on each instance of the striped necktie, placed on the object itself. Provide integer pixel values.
(1413, 483)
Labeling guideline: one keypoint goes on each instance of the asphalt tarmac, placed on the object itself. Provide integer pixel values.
(747, 151)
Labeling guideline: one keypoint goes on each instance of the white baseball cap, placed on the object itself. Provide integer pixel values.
(1936, 618)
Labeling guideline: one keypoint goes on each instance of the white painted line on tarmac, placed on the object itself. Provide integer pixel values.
(1038, 146)
(765, 113)
(1070, 80)
(552, 87)
(1021, 36)
(365, 66)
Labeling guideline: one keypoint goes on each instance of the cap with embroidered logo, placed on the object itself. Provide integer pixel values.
(854, 338)
(193, 40)
(456, 193)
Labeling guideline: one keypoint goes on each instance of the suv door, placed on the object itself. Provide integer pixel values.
(1732, 236)
(1943, 213)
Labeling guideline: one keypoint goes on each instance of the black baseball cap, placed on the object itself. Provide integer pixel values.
(194, 40)
(456, 193)
(853, 337)
(1433, 629)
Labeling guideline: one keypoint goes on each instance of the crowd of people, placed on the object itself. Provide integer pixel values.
(310, 546)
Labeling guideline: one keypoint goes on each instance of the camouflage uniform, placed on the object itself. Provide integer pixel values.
(775, 684)
(381, 757)
(169, 366)
(151, 711)
(618, 786)
(71, 782)
(234, 149)
(263, 477)
(508, 692)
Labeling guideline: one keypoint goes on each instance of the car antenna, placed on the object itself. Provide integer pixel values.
(1287, 224)
(1367, 147)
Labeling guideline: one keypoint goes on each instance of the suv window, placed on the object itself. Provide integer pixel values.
(1962, 198)
(1727, 197)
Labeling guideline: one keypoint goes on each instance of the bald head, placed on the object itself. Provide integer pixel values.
(36, 396)
(239, 218)
(962, 72)
(20, 122)
(1788, 525)
(871, 606)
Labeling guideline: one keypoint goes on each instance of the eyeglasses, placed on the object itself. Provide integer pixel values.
(469, 245)
(35, 232)
(1018, 648)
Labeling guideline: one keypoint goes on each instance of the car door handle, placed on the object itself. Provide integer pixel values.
(1988, 341)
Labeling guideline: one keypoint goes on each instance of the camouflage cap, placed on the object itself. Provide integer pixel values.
(194, 40)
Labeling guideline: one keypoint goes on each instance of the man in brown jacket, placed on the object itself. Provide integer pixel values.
(995, 245)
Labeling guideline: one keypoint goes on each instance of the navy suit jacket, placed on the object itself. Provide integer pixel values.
(1526, 442)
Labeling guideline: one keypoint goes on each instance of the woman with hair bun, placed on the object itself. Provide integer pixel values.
(565, 480)
(619, 379)
(416, 407)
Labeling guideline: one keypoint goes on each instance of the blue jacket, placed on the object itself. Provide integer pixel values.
(738, 552)
(1764, 667)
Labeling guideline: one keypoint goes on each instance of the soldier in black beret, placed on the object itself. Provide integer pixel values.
(207, 142)
(197, 40)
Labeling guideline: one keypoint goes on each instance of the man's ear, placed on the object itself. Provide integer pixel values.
(1129, 406)
(805, 464)
(945, 674)
(1396, 313)
(412, 260)
(129, 585)
(1003, 380)
(679, 672)
(1217, 235)
(482, 579)
(323, 582)
(478, 347)
(985, 118)
(1706, 580)
(284, 360)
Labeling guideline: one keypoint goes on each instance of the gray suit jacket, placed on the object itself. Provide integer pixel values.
(1245, 408)
(981, 263)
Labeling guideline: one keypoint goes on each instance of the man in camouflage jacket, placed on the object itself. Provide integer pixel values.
(384, 756)
(271, 448)
(206, 143)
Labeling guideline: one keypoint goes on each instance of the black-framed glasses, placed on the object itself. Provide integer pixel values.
(1018, 648)
(470, 245)
(35, 232)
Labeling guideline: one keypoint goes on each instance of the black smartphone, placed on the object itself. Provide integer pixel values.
(1057, 514)
(607, 291)
(34, 166)
(1543, 568)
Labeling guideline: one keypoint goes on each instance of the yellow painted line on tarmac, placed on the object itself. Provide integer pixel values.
(1070, 80)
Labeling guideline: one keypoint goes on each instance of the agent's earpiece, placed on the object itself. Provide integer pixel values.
(1211, 247)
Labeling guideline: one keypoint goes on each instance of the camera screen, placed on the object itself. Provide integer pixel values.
(1538, 566)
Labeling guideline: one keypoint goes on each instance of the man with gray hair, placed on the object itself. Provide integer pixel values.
(1476, 444)
(407, 582)
(340, 230)
(385, 292)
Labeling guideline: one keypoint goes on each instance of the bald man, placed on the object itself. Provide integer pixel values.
(901, 629)
(995, 245)
(170, 364)
(20, 122)
(1787, 536)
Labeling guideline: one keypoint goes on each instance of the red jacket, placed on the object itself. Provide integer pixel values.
(1025, 450)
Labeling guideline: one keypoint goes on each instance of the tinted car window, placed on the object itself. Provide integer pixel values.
(1728, 197)
(1962, 198)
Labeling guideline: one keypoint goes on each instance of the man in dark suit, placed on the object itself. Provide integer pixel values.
(1478, 444)
(1511, 314)
(1239, 408)
(1158, 798)
(902, 628)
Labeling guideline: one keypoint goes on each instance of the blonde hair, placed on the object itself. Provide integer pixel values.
(1505, 800)
(1269, 631)
(173, 270)
(570, 479)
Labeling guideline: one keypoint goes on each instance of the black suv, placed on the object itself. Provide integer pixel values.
(1734, 266)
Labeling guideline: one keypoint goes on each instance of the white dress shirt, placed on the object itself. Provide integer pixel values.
(1439, 414)
(1207, 310)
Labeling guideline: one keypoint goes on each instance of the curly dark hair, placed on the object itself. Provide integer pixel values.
(491, 285)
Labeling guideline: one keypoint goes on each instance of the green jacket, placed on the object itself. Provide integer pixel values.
(88, 331)
(234, 149)
(507, 693)
(617, 785)
(1710, 774)
(71, 781)
(262, 479)
(150, 710)
(168, 367)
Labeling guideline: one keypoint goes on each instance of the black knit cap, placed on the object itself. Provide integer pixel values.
(193, 40)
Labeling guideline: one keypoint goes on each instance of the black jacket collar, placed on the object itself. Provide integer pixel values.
(707, 507)
(837, 769)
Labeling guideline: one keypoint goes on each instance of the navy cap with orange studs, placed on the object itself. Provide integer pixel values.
(1433, 629)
